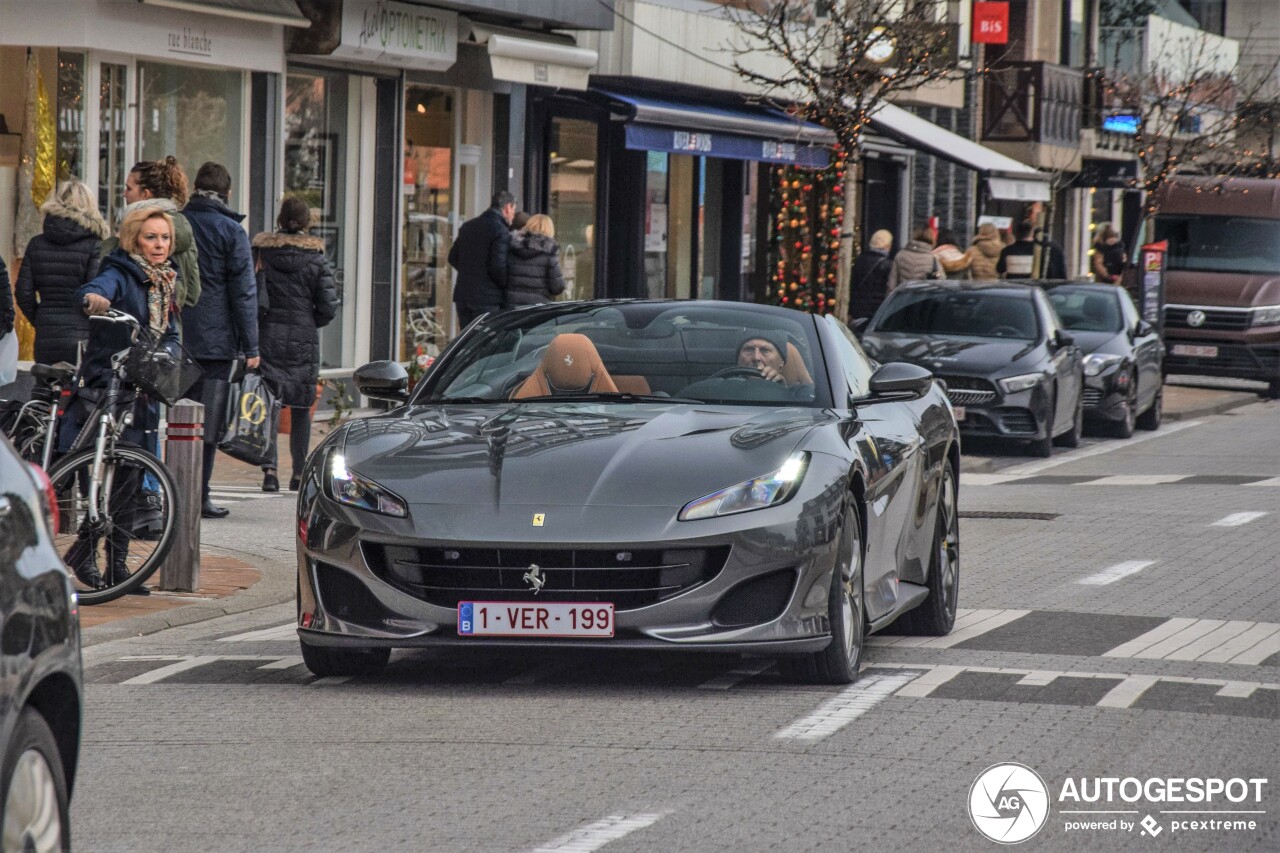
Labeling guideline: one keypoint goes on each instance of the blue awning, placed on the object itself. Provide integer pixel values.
(736, 133)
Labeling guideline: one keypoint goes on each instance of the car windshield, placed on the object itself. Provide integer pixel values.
(645, 352)
(1221, 243)
(972, 313)
(1087, 310)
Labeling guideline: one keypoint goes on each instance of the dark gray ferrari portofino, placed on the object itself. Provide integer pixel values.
(664, 475)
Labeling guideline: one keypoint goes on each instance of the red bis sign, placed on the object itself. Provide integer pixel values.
(991, 23)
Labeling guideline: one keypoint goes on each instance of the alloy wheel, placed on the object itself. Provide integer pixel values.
(851, 608)
(32, 817)
(949, 544)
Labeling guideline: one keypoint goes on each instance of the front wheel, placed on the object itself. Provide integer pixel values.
(840, 661)
(1071, 438)
(936, 616)
(112, 542)
(1154, 415)
(34, 790)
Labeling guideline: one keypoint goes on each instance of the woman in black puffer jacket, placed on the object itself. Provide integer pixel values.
(56, 263)
(300, 298)
(533, 264)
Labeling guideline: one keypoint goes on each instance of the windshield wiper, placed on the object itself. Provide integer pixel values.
(605, 396)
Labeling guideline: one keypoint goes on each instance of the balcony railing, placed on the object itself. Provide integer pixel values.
(1033, 102)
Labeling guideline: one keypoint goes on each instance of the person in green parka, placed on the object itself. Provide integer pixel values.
(162, 184)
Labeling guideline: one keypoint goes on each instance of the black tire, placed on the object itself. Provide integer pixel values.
(1273, 390)
(1123, 428)
(31, 781)
(1043, 447)
(144, 554)
(1154, 415)
(1071, 438)
(324, 661)
(936, 616)
(840, 661)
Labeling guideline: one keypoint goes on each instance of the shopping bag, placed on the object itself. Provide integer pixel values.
(253, 416)
(8, 358)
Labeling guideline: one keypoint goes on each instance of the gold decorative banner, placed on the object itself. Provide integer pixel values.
(36, 177)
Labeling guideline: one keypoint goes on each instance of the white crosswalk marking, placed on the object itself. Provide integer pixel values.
(280, 632)
(172, 669)
(593, 836)
(1136, 480)
(1274, 481)
(284, 663)
(842, 709)
(1124, 694)
(1238, 518)
(931, 680)
(1116, 572)
(969, 624)
(988, 479)
(1208, 640)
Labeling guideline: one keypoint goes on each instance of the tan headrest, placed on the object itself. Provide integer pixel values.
(793, 371)
(570, 365)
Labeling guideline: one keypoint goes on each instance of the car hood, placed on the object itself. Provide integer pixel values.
(1090, 342)
(572, 454)
(1230, 290)
(971, 356)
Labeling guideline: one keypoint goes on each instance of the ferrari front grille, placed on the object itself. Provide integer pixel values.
(626, 577)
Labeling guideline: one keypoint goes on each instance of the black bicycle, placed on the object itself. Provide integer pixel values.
(116, 500)
(32, 425)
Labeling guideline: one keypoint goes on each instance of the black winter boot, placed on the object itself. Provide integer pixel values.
(82, 559)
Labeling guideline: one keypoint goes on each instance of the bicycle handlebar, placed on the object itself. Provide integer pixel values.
(114, 316)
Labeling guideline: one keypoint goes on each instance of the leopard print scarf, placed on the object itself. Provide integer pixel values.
(163, 278)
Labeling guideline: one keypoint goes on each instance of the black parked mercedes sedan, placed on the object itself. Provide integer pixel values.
(1011, 370)
(40, 670)
(701, 476)
(1123, 356)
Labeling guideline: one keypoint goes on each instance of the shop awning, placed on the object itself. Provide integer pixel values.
(517, 58)
(284, 12)
(1006, 178)
(737, 133)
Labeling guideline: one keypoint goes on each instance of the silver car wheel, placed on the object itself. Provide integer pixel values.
(851, 614)
(949, 542)
(32, 817)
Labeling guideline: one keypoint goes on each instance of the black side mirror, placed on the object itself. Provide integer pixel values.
(859, 325)
(1063, 339)
(897, 380)
(383, 380)
(1142, 329)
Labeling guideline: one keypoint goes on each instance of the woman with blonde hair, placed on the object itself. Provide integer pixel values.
(533, 264)
(57, 261)
(139, 279)
(1108, 258)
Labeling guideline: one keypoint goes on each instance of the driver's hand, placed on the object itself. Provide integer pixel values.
(96, 304)
(771, 374)
(252, 363)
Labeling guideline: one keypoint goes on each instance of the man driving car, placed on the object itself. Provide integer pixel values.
(766, 352)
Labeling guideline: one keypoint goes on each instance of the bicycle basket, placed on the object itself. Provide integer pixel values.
(163, 371)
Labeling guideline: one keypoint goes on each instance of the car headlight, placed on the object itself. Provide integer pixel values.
(1095, 363)
(1014, 384)
(348, 487)
(1268, 316)
(760, 492)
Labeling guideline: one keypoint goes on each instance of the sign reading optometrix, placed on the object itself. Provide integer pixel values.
(400, 34)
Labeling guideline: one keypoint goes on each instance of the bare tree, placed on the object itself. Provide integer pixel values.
(1184, 89)
(841, 60)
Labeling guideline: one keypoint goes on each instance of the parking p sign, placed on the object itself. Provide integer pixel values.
(990, 23)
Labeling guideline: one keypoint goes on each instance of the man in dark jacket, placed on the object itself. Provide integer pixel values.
(224, 323)
(1017, 259)
(869, 278)
(479, 254)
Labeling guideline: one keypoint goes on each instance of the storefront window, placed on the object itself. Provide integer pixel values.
(191, 112)
(572, 202)
(71, 143)
(426, 304)
(655, 226)
(315, 166)
(112, 165)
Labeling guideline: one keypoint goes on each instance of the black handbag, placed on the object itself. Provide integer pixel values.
(253, 418)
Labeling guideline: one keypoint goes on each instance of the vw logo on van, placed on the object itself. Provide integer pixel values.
(1196, 319)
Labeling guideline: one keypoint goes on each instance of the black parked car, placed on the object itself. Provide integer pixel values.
(1123, 381)
(40, 677)
(1011, 370)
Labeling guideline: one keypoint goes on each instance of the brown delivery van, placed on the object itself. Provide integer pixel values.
(1222, 287)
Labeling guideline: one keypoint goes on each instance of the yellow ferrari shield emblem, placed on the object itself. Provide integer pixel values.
(538, 518)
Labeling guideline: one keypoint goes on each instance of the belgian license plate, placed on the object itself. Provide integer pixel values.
(541, 619)
(1194, 351)
(959, 412)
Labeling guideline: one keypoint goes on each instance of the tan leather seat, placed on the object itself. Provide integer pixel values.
(570, 365)
(632, 384)
(793, 371)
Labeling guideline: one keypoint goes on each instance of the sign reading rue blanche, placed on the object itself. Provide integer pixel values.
(401, 34)
(643, 137)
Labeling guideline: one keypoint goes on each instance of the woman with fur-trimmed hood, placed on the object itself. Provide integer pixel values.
(533, 264)
(985, 253)
(296, 297)
(56, 263)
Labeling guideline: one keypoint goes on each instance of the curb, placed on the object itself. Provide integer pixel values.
(1229, 401)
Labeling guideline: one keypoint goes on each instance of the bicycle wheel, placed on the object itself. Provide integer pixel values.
(114, 543)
